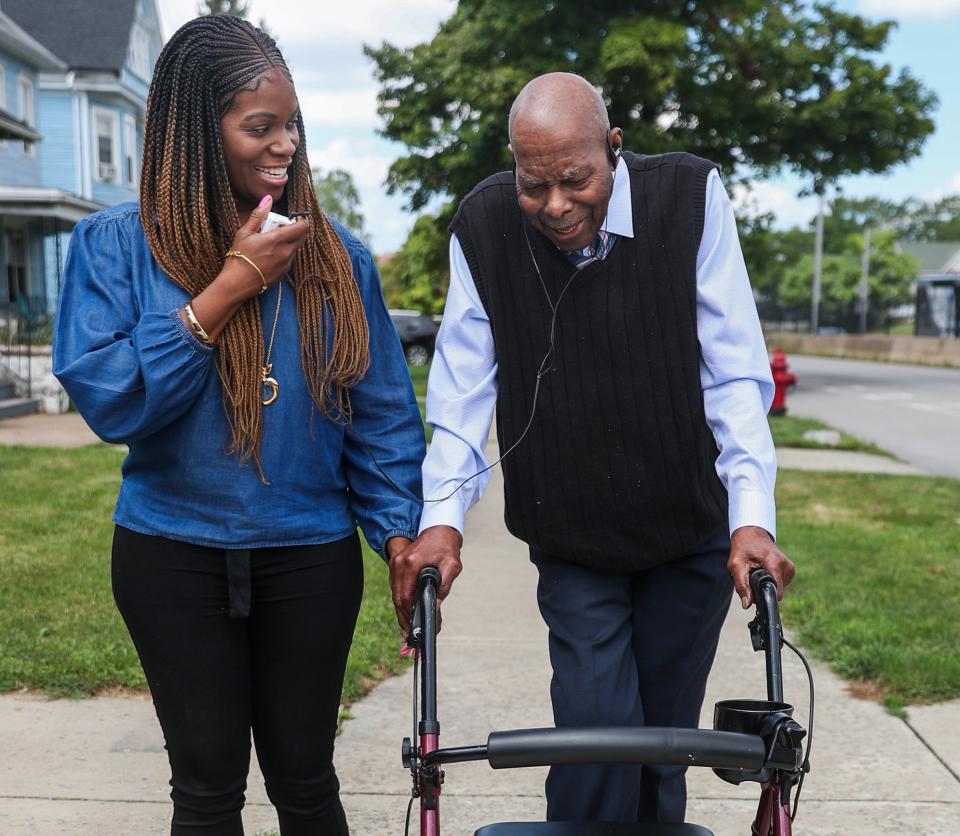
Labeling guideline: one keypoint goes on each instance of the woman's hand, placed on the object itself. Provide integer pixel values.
(273, 252)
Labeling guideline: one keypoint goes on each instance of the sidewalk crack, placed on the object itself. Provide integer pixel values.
(932, 751)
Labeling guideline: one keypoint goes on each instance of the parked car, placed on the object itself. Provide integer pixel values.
(418, 335)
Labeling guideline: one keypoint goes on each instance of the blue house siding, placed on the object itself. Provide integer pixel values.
(16, 167)
(111, 193)
(58, 157)
(115, 77)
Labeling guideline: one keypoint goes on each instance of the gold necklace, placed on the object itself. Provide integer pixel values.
(265, 379)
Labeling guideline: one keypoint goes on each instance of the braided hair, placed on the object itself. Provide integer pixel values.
(185, 190)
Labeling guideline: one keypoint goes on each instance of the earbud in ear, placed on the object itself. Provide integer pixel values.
(614, 154)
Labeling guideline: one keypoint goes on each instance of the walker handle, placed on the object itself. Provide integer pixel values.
(425, 616)
(669, 746)
(766, 630)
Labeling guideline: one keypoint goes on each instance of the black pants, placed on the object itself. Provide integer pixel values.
(234, 641)
(630, 650)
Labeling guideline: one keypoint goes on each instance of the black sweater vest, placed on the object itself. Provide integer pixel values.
(617, 470)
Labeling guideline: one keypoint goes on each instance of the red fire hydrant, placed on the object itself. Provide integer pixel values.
(781, 380)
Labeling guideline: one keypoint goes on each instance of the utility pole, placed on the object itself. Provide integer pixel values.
(817, 264)
(865, 281)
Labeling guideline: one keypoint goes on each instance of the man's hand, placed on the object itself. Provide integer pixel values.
(753, 548)
(437, 546)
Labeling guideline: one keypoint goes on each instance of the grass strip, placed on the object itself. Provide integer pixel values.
(877, 594)
(59, 629)
(877, 591)
(788, 432)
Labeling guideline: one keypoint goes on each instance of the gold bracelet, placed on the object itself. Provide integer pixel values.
(195, 324)
(238, 254)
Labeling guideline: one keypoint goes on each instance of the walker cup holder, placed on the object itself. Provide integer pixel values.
(768, 719)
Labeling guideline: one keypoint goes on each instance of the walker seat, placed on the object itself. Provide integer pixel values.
(593, 829)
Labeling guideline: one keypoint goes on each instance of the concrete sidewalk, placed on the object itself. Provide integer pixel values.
(97, 766)
(67, 430)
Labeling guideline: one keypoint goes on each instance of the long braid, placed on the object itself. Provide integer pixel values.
(190, 218)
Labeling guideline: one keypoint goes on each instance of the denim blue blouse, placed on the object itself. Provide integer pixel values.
(141, 378)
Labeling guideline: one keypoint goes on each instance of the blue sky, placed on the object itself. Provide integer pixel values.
(322, 44)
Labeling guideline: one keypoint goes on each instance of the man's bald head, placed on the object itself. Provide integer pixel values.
(565, 155)
(559, 101)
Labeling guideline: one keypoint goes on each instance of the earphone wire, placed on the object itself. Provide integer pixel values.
(533, 410)
(554, 308)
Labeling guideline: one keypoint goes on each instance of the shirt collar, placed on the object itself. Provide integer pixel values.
(619, 220)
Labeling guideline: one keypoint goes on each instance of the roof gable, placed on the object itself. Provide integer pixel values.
(19, 43)
(85, 38)
(935, 257)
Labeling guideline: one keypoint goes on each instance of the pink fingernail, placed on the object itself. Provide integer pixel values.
(263, 201)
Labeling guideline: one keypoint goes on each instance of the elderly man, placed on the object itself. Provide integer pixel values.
(599, 299)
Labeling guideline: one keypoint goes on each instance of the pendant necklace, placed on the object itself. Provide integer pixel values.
(265, 379)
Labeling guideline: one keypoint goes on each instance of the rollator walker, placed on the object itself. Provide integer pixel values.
(751, 741)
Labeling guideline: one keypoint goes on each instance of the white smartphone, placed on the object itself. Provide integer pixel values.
(274, 221)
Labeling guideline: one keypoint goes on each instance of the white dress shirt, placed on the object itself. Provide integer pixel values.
(734, 374)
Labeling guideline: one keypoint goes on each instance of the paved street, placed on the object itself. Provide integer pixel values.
(910, 411)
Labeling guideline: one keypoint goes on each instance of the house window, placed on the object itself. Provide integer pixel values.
(16, 247)
(27, 111)
(106, 134)
(130, 148)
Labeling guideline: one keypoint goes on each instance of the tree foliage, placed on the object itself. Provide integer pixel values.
(746, 84)
(417, 276)
(850, 216)
(338, 197)
(780, 262)
(752, 85)
(237, 8)
(934, 221)
(891, 276)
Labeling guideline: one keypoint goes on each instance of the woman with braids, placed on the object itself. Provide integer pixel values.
(260, 386)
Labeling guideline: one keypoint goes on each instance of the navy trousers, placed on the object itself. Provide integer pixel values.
(631, 650)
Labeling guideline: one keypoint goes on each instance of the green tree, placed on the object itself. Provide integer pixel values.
(417, 276)
(338, 197)
(850, 216)
(675, 74)
(752, 85)
(892, 272)
(237, 8)
(936, 221)
(768, 254)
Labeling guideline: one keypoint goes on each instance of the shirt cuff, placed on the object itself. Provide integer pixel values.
(188, 336)
(395, 532)
(753, 508)
(449, 512)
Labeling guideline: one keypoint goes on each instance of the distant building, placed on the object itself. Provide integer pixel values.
(938, 289)
(74, 78)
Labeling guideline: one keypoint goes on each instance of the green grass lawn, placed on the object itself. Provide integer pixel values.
(59, 630)
(788, 432)
(877, 591)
